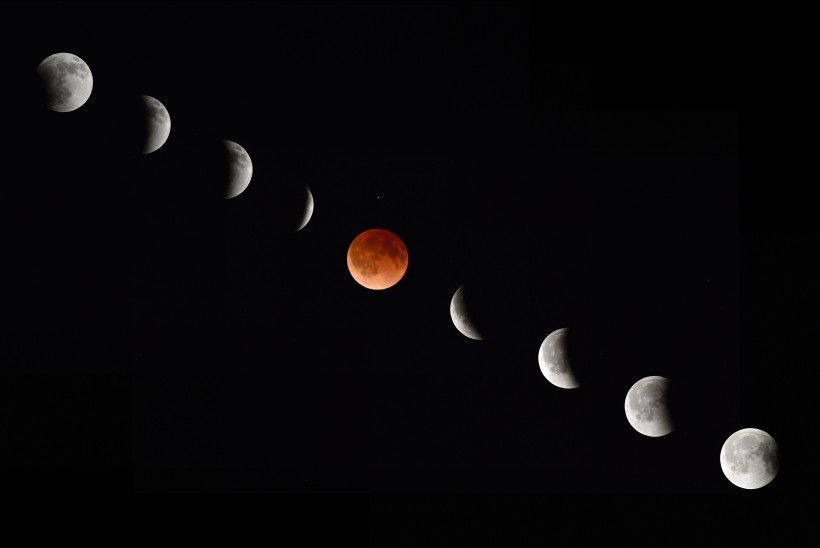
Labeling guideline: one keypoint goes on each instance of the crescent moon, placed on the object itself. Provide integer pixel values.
(459, 312)
(240, 169)
(308, 211)
(553, 358)
(157, 124)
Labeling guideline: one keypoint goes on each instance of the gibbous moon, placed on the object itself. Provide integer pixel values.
(460, 314)
(156, 124)
(553, 358)
(647, 407)
(749, 458)
(65, 81)
(377, 259)
(239, 169)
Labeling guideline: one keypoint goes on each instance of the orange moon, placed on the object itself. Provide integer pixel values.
(377, 259)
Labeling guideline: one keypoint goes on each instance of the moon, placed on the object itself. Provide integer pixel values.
(377, 259)
(308, 210)
(65, 82)
(462, 319)
(647, 407)
(156, 124)
(286, 207)
(749, 458)
(239, 169)
(553, 358)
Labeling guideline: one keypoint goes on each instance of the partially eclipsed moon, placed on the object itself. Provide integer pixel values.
(553, 358)
(156, 124)
(65, 81)
(647, 407)
(460, 314)
(308, 210)
(240, 169)
(377, 259)
(749, 458)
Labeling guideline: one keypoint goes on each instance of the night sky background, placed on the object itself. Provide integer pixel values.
(198, 346)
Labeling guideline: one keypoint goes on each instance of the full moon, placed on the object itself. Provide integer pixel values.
(461, 316)
(65, 81)
(749, 458)
(553, 358)
(240, 169)
(156, 124)
(647, 407)
(377, 259)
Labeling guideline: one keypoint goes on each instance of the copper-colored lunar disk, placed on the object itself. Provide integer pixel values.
(377, 259)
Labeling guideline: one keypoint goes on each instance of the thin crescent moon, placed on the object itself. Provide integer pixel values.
(308, 211)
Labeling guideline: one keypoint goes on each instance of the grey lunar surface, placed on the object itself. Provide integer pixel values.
(65, 81)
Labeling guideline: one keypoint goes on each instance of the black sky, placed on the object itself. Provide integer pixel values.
(193, 343)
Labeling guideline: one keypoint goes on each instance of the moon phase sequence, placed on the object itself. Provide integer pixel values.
(65, 81)
(377, 259)
(749, 458)
(647, 407)
(553, 358)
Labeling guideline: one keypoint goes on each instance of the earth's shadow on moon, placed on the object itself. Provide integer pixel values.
(484, 304)
(579, 344)
(127, 124)
(474, 309)
(198, 167)
(216, 167)
(281, 206)
(521, 304)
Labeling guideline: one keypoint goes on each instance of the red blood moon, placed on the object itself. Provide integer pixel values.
(377, 259)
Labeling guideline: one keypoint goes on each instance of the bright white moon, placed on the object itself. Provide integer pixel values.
(647, 407)
(66, 82)
(749, 458)
(553, 359)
